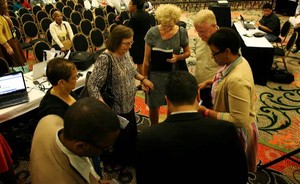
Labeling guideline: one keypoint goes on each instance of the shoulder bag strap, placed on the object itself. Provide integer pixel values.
(68, 36)
(109, 70)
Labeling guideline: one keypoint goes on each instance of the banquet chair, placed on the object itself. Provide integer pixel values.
(284, 31)
(59, 5)
(15, 22)
(40, 15)
(64, 2)
(26, 17)
(74, 28)
(11, 13)
(110, 18)
(67, 10)
(85, 27)
(48, 36)
(100, 23)
(81, 2)
(4, 68)
(126, 22)
(22, 11)
(284, 52)
(96, 38)
(38, 50)
(80, 42)
(78, 7)
(88, 14)
(23, 44)
(109, 9)
(111, 27)
(45, 24)
(10, 7)
(76, 18)
(125, 15)
(71, 4)
(35, 9)
(31, 31)
(48, 8)
(99, 11)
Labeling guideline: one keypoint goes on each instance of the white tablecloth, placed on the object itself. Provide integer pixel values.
(35, 96)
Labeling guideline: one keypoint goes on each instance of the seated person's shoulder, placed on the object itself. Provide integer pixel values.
(53, 118)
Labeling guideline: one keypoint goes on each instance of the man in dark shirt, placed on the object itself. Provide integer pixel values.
(168, 152)
(269, 23)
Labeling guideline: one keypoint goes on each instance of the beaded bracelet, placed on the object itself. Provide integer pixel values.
(206, 113)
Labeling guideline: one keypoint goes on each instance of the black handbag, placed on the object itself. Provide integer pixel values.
(106, 90)
(82, 59)
(281, 76)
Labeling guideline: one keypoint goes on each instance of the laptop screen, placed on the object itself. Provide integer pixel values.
(11, 83)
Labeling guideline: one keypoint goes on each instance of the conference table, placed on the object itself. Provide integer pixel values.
(258, 51)
(36, 93)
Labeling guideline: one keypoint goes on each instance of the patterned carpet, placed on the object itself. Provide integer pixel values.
(278, 113)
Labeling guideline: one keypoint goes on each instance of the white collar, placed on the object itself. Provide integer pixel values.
(82, 164)
(181, 112)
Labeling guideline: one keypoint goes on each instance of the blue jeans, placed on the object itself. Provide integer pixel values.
(271, 37)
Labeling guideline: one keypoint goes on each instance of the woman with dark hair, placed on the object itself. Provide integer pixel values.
(123, 74)
(10, 48)
(140, 24)
(62, 74)
(233, 91)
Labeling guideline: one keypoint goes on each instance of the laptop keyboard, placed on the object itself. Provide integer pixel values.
(13, 99)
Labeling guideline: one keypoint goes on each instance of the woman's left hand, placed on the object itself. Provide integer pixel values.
(147, 85)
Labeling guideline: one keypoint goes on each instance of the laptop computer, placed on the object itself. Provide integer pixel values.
(13, 90)
(38, 71)
(247, 25)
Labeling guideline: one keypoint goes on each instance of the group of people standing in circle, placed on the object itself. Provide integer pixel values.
(224, 79)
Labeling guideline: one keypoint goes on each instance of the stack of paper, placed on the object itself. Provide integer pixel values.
(295, 21)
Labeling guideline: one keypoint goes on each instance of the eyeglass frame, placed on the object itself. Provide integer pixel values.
(214, 54)
(127, 44)
(204, 32)
(103, 150)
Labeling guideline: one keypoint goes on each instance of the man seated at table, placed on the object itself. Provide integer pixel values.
(61, 147)
(269, 23)
(186, 147)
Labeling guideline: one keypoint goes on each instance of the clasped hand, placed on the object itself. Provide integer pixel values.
(174, 59)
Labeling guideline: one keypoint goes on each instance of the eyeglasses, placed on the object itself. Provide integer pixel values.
(204, 32)
(128, 43)
(103, 150)
(213, 54)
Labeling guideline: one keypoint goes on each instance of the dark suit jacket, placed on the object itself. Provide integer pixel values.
(188, 148)
(140, 23)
